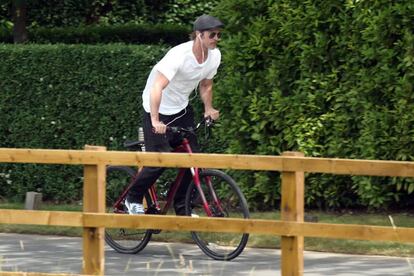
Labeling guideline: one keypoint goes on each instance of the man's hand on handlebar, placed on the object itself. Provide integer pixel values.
(159, 127)
(212, 113)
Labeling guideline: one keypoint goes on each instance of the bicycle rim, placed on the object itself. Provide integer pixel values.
(123, 240)
(219, 246)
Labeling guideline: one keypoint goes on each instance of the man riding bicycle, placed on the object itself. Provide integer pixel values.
(166, 103)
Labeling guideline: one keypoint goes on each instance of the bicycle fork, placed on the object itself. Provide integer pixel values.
(216, 200)
(196, 177)
(213, 194)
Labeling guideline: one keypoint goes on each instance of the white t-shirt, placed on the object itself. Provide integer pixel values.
(184, 73)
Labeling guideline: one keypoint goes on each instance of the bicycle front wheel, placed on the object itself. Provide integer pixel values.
(123, 240)
(224, 199)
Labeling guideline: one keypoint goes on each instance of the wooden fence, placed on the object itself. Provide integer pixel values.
(291, 227)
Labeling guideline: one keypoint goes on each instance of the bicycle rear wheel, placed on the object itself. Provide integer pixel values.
(123, 240)
(231, 204)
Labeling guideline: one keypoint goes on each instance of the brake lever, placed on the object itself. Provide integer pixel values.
(208, 121)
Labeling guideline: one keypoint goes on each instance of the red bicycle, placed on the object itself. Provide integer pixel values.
(212, 193)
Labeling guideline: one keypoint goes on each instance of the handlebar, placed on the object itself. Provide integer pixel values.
(207, 122)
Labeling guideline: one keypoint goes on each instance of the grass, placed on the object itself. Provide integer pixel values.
(261, 241)
(348, 246)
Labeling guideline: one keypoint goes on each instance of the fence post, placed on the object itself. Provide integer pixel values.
(94, 201)
(292, 209)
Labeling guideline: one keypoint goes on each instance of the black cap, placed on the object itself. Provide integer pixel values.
(207, 22)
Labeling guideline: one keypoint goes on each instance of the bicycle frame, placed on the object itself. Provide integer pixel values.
(184, 148)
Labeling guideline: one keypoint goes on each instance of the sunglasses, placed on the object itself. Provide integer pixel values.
(214, 34)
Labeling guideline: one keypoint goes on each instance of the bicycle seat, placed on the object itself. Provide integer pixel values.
(134, 145)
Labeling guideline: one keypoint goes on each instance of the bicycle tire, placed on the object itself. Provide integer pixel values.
(219, 246)
(123, 240)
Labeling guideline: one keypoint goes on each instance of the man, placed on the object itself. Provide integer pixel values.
(166, 102)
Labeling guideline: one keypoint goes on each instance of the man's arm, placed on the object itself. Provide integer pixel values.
(206, 94)
(155, 100)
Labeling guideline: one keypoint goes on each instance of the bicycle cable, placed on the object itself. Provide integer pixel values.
(176, 118)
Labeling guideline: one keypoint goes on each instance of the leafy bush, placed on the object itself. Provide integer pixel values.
(184, 12)
(328, 78)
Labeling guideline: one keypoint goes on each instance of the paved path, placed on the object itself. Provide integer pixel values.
(33, 253)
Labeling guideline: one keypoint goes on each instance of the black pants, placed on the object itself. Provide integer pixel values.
(164, 143)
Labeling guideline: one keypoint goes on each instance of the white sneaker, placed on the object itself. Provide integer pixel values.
(134, 208)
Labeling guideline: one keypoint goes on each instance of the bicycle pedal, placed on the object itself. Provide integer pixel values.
(152, 211)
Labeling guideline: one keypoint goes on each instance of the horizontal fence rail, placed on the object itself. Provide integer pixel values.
(4, 273)
(214, 161)
(291, 227)
(253, 226)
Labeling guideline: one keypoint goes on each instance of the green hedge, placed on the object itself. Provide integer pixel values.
(63, 97)
(97, 34)
(328, 78)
